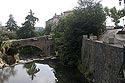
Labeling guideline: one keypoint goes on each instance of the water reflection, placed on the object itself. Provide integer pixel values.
(6, 73)
(68, 75)
(31, 69)
(64, 74)
(40, 72)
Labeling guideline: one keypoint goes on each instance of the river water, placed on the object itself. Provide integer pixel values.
(40, 72)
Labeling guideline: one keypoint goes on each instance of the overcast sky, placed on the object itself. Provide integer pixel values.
(43, 9)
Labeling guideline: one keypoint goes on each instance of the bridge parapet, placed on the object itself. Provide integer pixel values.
(42, 43)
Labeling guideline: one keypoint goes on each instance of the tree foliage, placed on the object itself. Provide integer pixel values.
(3, 36)
(115, 14)
(87, 19)
(28, 27)
(11, 24)
(48, 29)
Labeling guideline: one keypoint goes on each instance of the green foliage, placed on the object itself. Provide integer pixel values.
(39, 32)
(48, 29)
(31, 69)
(93, 19)
(115, 14)
(17, 58)
(11, 24)
(3, 36)
(28, 27)
(30, 52)
(87, 19)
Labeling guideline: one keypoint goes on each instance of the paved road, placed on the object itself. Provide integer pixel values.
(119, 40)
(108, 34)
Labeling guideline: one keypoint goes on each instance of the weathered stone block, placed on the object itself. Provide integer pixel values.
(93, 37)
(111, 40)
(85, 36)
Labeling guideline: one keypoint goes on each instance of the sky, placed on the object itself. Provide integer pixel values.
(43, 9)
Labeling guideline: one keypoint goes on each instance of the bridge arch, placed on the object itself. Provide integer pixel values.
(43, 43)
(30, 50)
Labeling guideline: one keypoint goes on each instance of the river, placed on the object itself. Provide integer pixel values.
(41, 72)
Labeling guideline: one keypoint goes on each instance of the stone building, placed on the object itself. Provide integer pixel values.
(66, 13)
(55, 19)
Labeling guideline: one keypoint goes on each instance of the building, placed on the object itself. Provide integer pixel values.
(66, 13)
(53, 22)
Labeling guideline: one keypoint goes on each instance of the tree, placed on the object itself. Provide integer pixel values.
(86, 19)
(93, 17)
(39, 31)
(11, 24)
(28, 27)
(48, 29)
(115, 14)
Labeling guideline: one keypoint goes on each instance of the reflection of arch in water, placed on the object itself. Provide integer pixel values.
(31, 50)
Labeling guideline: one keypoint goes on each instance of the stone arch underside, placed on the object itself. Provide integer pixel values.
(39, 44)
(41, 50)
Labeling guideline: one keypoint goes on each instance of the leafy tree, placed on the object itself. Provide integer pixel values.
(11, 24)
(87, 19)
(4, 35)
(48, 29)
(115, 14)
(40, 31)
(28, 27)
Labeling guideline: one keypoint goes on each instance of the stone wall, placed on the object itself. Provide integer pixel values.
(102, 60)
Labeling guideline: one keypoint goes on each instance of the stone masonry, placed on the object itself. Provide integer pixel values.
(42, 43)
(103, 60)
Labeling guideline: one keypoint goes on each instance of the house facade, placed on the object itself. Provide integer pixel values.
(53, 22)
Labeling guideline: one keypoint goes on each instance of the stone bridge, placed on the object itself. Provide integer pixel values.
(44, 43)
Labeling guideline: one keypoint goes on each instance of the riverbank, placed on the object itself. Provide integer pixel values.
(2, 64)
